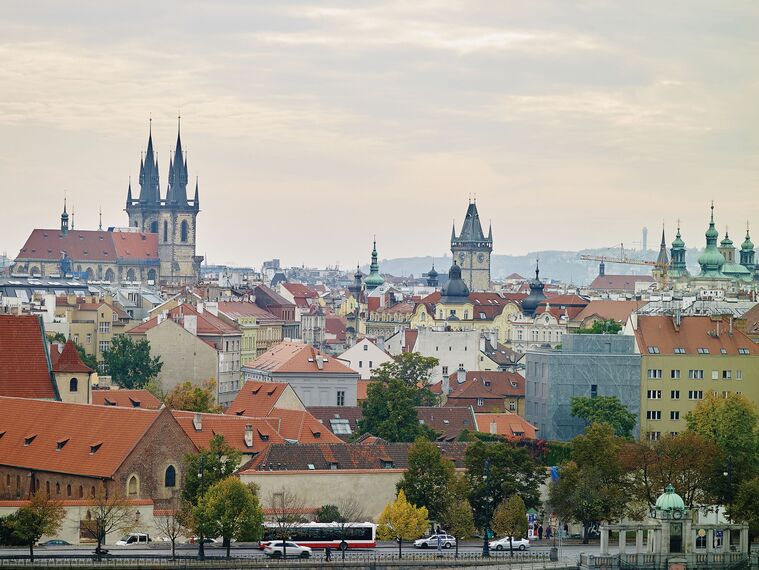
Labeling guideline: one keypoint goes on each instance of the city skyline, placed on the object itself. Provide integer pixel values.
(335, 123)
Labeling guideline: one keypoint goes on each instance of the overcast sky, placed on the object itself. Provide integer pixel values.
(314, 126)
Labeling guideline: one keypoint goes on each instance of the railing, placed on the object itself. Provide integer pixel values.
(723, 560)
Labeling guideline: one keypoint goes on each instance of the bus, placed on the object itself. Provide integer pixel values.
(325, 535)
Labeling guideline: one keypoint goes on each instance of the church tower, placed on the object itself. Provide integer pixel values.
(471, 250)
(173, 218)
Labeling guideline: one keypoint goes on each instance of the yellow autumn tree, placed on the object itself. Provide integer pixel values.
(400, 520)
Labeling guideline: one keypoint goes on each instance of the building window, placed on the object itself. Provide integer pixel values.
(674, 415)
(480, 402)
(366, 347)
(445, 370)
(695, 374)
(674, 394)
(703, 350)
(727, 374)
(695, 394)
(165, 231)
(68, 490)
(512, 406)
(654, 435)
(739, 374)
(593, 390)
(104, 327)
(133, 486)
(340, 398)
(653, 415)
(744, 351)
(89, 338)
(183, 231)
(370, 365)
(360, 363)
(73, 385)
(104, 345)
(674, 374)
(679, 350)
(653, 350)
(654, 394)
(715, 374)
(170, 477)
(654, 373)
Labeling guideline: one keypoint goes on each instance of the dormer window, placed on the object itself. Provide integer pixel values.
(333, 465)
(29, 439)
(387, 464)
(653, 350)
(61, 443)
(95, 447)
(703, 350)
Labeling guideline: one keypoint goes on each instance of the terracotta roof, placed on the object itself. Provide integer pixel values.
(327, 414)
(752, 320)
(449, 422)
(69, 361)
(126, 399)
(256, 399)
(515, 276)
(362, 388)
(24, 365)
(144, 327)
(78, 439)
(619, 282)
(507, 424)
(208, 324)
(267, 296)
(301, 426)
(488, 384)
(232, 428)
(559, 305)
(343, 456)
(410, 336)
(234, 310)
(88, 245)
(294, 357)
(335, 325)
(695, 332)
(301, 293)
(604, 309)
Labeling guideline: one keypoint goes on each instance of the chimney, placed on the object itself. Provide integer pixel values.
(482, 344)
(730, 330)
(461, 376)
(197, 421)
(319, 362)
(494, 339)
(200, 307)
(493, 428)
(191, 324)
(446, 385)
(213, 308)
(248, 435)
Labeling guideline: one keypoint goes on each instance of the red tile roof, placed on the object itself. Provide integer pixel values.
(126, 399)
(294, 357)
(88, 245)
(695, 332)
(361, 389)
(605, 309)
(69, 361)
(24, 364)
(208, 324)
(488, 384)
(256, 399)
(351, 414)
(78, 439)
(302, 427)
(335, 325)
(232, 428)
(559, 305)
(449, 422)
(619, 282)
(234, 310)
(509, 425)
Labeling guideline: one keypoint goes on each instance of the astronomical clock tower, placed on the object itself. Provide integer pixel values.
(471, 250)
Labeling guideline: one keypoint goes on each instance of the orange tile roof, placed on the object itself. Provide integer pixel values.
(256, 399)
(235, 310)
(208, 323)
(69, 361)
(301, 426)
(126, 399)
(294, 357)
(507, 424)
(89, 245)
(361, 389)
(232, 428)
(24, 365)
(619, 282)
(78, 439)
(502, 385)
(695, 332)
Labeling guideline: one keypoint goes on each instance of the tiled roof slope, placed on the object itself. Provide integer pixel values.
(502, 384)
(449, 422)
(126, 399)
(301, 426)
(77, 439)
(617, 310)
(509, 425)
(232, 428)
(24, 364)
(256, 399)
(300, 358)
(84, 245)
(694, 333)
(69, 361)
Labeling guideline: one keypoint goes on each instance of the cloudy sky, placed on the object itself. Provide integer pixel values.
(314, 126)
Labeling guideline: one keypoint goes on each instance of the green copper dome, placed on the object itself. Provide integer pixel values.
(670, 501)
(374, 279)
(678, 242)
(711, 261)
(726, 242)
(747, 244)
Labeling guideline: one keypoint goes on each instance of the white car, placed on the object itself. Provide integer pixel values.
(134, 538)
(431, 541)
(279, 549)
(516, 543)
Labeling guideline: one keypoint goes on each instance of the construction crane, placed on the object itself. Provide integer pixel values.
(660, 270)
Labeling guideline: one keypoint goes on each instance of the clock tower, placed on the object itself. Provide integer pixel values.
(471, 250)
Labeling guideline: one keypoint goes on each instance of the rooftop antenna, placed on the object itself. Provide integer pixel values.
(100, 218)
(72, 216)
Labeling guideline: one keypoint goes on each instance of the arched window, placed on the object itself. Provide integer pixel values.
(133, 486)
(68, 490)
(92, 491)
(73, 385)
(57, 488)
(183, 231)
(47, 488)
(151, 275)
(109, 275)
(165, 231)
(153, 227)
(130, 275)
(170, 477)
(90, 274)
(81, 492)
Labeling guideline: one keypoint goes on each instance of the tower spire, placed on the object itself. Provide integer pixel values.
(100, 218)
(72, 217)
(177, 193)
(64, 217)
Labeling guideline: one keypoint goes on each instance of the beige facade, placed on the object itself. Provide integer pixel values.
(92, 322)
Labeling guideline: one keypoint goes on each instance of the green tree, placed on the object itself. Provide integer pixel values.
(187, 396)
(410, 367)
(230, 510)
(219, 461)
(603, 326)
(605, 409)
(510, 519)
(7, 536)
(41, 516)
(458, 518)
(594, 485)
(512, 471)
(389, 412)
(400, 520)
(428, 478)
(732, 423)
(328, 514)
(129, 362)
(745, 507)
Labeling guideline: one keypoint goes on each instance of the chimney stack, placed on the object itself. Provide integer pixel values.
(197, 421)
(461, 376)
(446, 385)
(248, 435)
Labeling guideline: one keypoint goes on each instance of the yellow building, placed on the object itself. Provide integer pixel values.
(685, 358)
(92, 321)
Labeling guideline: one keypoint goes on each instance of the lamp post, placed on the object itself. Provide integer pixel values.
(488, 499)
(728, 473)
(201, 548)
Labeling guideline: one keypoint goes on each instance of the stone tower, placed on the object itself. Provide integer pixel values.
(471, 250)
(174, 218)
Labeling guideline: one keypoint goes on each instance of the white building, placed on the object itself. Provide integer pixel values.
(364, 357)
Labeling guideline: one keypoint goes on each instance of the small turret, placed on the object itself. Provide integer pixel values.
(64, 219)
(374, 279)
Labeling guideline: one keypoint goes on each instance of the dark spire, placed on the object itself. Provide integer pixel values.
(663, 259)
(453, 231)
(177, 193)
(100, 218)
(129, 190)
(197, 196)
(472, 228)
(150, 192)
(72, 217)
(64, 218)
(536, 296)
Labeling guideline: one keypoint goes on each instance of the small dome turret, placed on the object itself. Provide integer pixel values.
(669, 501)
(455, 290)
(536, 296)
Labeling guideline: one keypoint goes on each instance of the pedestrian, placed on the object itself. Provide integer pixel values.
(327, 554)
(566, 530)
(540, 532)
(548, 533)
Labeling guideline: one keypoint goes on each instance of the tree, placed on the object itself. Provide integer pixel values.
(219, 461)
(732, 423)
(7, 536)
(602, 326)
(328, 514)
(686, 460)
(510, 519)
(605, 409)
(174, 522)
(428, 478)
(745, 508)
(389, 412)
(414, 370)
(108, 513)
(512, 471)
(187, 396)
(129, 362)
(593, 486)
(41, 516)
(286, 508)
(458, 517)
(400, 520)
(231, 510)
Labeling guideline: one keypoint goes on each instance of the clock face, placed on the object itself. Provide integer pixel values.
(462, 255)
(481, 258)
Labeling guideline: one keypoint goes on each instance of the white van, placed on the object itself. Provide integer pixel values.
(134, 538)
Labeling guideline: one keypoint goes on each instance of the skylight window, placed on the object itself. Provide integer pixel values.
(340, 427)
(653, 350)
(95, 447)
(703, 350)
(679, 350)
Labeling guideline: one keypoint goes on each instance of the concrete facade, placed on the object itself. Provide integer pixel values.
(364, 357)
(454, 350)
(586, 365)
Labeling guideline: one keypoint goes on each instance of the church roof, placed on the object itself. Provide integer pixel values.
(90, 245)
(471, 230)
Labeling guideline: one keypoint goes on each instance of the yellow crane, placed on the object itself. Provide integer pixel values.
(660, 270)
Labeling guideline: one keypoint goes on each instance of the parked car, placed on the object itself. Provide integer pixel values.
(134, 538)
(55, 542)
(431, 541)
(279, 549)
(516, 543)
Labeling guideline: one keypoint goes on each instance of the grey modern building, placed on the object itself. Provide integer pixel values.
(585, 365)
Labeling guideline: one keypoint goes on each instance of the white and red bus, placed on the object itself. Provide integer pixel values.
(323, 535)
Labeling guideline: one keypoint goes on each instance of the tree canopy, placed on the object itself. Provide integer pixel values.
(427, 480)
(510, 519)
(219, 462)
(41, 516)
(602, 326)
(193, 398)
(129, 362)
(605, 409)
(401, 520)
(410, 367)
(389, 412)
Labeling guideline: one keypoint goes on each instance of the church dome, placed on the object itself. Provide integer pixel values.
(747, 244)
(670, 501)
(678, 242)
(726, 242)
(455, 288)
(432, 274)
(536, 296)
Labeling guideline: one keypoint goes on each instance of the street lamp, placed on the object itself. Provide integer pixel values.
(488, 499)
(728, 473)
(201, 549)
